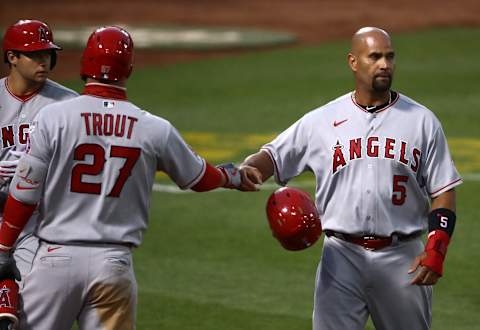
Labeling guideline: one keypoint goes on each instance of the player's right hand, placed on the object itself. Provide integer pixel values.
(251, 178)
(424, 275)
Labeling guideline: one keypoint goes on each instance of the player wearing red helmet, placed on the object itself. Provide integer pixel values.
(108, 55)
(29, 49)
(91, 166)
(30, 52)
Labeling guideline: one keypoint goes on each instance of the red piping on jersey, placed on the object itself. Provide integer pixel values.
(105, 91)
(197, 178)
(21, 98)
(379, 110)
(448, 185)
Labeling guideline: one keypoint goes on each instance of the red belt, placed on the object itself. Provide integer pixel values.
(371, 242)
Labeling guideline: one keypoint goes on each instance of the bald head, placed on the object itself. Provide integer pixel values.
(368, 37)
(372, 60)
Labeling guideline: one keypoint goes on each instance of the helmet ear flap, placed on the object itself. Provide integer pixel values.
(53, 59)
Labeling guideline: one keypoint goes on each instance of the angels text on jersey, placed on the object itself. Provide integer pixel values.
(375, 147)
(14, 133)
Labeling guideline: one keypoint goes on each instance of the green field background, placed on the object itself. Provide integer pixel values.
(209, 261)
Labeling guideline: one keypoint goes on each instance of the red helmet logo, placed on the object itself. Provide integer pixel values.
(293, 218)
(108, 55)
(42, 34)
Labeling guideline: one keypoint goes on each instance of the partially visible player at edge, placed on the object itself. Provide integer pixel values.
(95, 158)
(31, 54)
(379, 159)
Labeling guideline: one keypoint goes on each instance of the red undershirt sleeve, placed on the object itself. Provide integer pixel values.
(15, 217)
(212, 178)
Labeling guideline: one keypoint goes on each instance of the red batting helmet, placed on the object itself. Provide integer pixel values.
(293, 218)
(28, 36)
(108, 54)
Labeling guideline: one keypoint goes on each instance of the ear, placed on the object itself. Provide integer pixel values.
(352, 62)
(11, 57)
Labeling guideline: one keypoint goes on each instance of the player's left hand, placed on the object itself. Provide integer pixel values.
(425, 275)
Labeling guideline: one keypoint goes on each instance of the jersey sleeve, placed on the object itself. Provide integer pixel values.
(289, 152)
(439, 168)
(180, 162)
(40, 142)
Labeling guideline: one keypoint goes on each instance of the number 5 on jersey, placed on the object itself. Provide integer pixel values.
(399, 193)
(96, 167)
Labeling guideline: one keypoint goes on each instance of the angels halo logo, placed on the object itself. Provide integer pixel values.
(42, 34)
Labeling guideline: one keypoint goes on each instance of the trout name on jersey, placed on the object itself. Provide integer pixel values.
(8, 134)
(107, 124)
(375, 147)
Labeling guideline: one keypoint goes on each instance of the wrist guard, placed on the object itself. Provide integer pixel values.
(232, 175)
(442, 219)
(441, 223)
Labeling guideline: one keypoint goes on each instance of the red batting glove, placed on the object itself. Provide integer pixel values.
(436, 250)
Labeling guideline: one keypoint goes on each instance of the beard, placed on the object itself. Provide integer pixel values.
(381, 84)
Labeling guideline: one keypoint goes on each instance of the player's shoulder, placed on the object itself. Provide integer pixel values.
(57, 91)
(56, 107)
(151, 120)
(408, 104)
(3, 85)
(411, 103)
(157, 120)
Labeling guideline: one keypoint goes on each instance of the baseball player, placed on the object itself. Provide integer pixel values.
(384, 176)
(91, 164)
(30, 52)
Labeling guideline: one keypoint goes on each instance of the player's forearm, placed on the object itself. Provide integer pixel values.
(25, 192)
(212, 178)
(225, 175)
(441, 223)
(446, 200)
(15, 217)
(262, 162)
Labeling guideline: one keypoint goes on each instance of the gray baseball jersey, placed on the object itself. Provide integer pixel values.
(375, 172)
(16, 116)
(102, 156)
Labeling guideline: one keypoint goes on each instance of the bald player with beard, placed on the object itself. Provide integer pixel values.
(384, 177)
